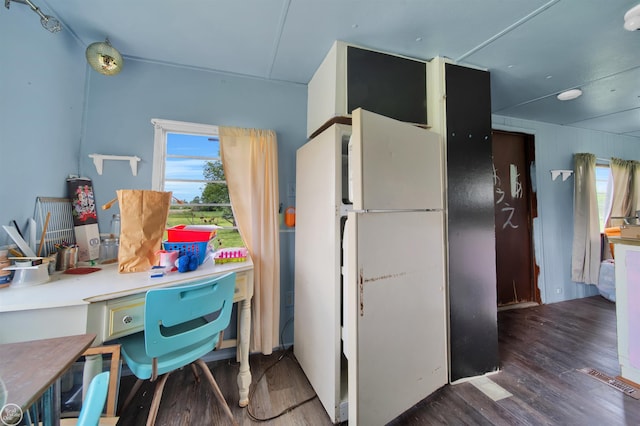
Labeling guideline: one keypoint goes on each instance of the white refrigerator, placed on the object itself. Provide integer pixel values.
(371, 336)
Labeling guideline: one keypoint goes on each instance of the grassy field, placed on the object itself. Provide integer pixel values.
(224, 238)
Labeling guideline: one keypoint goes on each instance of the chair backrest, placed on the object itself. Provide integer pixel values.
(173, 316)
(94, 400)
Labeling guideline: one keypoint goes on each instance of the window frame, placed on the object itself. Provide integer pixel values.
(604, 215)
(161, 128)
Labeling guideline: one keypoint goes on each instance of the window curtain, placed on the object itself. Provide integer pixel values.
(585, 257)
(625, 186)
(634, 188)
(250, 161)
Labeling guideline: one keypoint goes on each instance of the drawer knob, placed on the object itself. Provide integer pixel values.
(127, 319)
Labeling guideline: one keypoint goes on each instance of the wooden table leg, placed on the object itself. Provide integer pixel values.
(244, 375)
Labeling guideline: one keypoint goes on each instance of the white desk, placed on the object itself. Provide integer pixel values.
(111, 305)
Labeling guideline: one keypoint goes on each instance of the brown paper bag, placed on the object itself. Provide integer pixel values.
(143, 219)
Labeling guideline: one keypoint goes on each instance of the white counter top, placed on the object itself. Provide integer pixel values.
(73, 290)
(623, 240)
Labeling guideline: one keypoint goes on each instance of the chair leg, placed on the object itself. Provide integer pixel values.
(196, 376)
(155, 403)
(131, 394)
(216, 390)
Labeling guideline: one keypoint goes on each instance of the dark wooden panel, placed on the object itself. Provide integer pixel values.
(387, 84)
(472, 261)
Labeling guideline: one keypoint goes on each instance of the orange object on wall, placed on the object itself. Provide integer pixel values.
(290, 217)
(614, 231)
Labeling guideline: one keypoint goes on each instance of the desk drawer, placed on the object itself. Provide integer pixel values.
(125, 316)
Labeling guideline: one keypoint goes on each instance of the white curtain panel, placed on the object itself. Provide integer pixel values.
(623, 202)
(250, 161)
(585, 258)
(634, 189)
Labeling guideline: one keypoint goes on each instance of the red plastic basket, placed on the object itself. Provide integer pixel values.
(180, 233)
(195, 247)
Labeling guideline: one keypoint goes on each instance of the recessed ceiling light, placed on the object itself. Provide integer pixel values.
(418, 38)
(569, 94)
(632, 19)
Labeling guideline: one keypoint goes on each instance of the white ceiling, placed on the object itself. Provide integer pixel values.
(533, 48)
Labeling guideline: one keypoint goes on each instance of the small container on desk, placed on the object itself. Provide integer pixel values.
(191, 233)
(232, 254)
(108, 250)
(66, 257)
(198, 248)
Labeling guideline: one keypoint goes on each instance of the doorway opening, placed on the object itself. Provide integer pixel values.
(515, 208)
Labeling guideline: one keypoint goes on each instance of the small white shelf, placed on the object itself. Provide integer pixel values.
(98, 160)
(564, 173)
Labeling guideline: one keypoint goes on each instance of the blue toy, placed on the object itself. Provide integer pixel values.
(187, 262)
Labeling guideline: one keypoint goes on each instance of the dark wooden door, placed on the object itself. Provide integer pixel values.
(514, 212)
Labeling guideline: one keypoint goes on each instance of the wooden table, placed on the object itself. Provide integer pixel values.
(32, 369)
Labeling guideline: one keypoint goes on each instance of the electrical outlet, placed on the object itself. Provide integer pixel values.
(559, 290)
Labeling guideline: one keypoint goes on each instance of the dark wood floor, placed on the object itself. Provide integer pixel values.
(541, 349)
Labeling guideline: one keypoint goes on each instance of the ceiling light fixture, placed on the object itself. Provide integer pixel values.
(104, 58)
(632, 19)
(48, 22)
(567, 95)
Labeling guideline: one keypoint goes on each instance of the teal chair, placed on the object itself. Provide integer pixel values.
(94, 400)
(176, 334)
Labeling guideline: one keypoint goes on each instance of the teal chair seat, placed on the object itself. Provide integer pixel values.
(181, 324)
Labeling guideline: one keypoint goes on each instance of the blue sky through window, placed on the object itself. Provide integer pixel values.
(188, 168)
(603, 186)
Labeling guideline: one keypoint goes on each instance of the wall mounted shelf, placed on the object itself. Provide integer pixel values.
(98, 160)
(564, 173)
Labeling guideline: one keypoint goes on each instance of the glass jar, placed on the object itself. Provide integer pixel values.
(109, 250)
(115, 227)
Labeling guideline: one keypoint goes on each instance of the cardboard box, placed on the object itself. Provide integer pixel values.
(88, 241)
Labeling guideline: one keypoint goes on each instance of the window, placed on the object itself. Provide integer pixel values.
(187, 162)
(604, 190)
